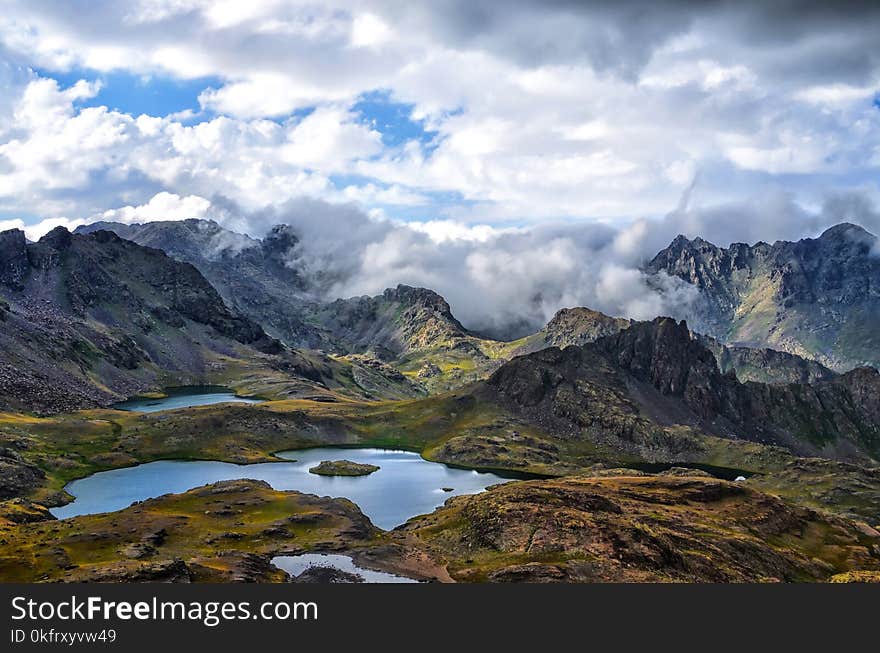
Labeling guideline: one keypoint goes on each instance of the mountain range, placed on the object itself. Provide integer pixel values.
(114, 310)
(763, 385)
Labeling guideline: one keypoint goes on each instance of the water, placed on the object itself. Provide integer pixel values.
(295, 565)
(406, 485)
(184, 397)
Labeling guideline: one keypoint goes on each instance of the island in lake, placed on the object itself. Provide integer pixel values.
(343, 468)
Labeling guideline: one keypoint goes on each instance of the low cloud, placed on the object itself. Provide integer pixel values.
(501, 281)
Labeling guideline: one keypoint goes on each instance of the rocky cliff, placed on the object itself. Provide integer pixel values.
(818, 297)
(257, 278)
(625, 392)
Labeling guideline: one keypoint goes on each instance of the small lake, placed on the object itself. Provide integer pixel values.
(406, 484)
(295, 565)
(184, 397)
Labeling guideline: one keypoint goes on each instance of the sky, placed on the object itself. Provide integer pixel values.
(478, 133)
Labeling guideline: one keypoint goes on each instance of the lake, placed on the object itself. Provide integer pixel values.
(406, 484)
(184, 397)
(295, 565)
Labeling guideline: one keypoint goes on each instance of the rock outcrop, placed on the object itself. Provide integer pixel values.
(639, 529)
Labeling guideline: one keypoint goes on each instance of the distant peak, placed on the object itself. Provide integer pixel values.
(845, 229)
(681, 239)
(413, 293)
(58, 238)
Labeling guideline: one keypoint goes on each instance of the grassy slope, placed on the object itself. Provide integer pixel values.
(210, 528)
(646, 529)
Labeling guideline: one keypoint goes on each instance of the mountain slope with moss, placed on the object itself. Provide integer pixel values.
(639, 529)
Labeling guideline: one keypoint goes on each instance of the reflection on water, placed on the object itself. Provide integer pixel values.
(295, 565)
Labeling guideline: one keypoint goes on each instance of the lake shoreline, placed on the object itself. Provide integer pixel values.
(406, 484)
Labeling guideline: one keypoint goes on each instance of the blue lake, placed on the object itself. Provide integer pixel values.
(184, 397)
(406, 485)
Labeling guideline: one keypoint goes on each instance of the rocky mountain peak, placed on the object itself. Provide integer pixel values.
(580, 325)
(817, 297)
(414, 296)
(59, 238)
(662, 352)
(280, 239)
(846, 230)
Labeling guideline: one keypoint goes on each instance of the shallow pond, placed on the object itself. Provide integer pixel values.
(295, 565)
(406, 484)
(184, 397)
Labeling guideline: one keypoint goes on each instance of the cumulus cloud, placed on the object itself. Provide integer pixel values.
(162, 206)
(536, 109)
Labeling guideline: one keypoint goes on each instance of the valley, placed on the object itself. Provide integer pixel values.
(640, 450)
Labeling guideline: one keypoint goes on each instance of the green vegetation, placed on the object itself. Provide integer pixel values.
(639, 529)
(342, 468)
(220, 532)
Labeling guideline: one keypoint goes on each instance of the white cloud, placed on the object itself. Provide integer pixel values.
(541, 112)
(162, 206)
(369, 31)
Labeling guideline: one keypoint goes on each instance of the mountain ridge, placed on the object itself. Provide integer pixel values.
(817, 298)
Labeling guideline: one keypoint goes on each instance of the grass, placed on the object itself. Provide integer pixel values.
(207, 527)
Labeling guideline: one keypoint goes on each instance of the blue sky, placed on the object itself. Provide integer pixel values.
(155, 95)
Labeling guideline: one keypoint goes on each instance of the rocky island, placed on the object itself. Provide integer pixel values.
(343, 468)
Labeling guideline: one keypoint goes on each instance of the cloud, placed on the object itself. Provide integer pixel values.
(162, 206)
(532, 110)
(503, 281)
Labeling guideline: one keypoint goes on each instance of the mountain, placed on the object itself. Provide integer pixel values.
(578, 326)
(254, 277)
(260, 278)
(765, 365)
(405, 329)
(624, 392)
(817, 298)
(399, 321)
(88, 319)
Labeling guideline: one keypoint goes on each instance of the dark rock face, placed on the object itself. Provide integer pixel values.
(818, 298)
(765, 365)
(621, 389)
(14, 263)
(17, 478)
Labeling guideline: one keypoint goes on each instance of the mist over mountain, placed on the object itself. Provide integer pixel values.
(499, 280)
